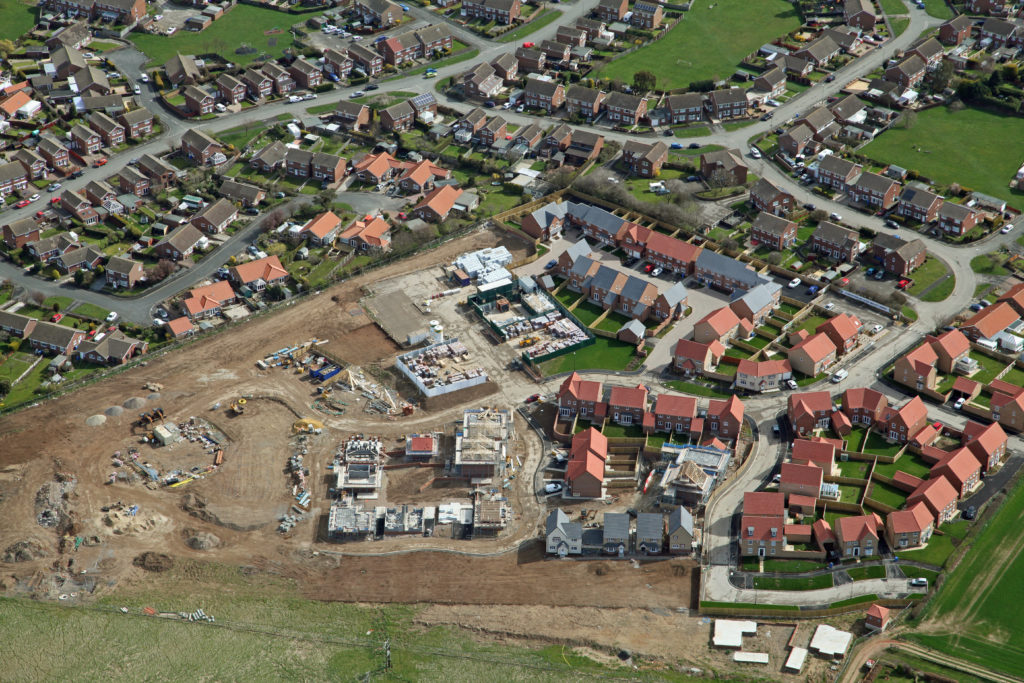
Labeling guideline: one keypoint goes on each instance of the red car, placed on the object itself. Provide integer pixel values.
(649, 267)
(903, 284)
(92, 333)
(57, 317)
(843, 281)
(533, 399)
(527, 44)
(55, 200)
(22, 204)
(101, 162)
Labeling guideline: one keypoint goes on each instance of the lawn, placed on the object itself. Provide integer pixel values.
(849, 493)
(854, 468)
(90, 311)
(497, 200)
(793, 584)
(990, 367)
(790, 566)
(876, 445)
(939, 547)
(855, 439)
(1015, 376)
(919, 573)
(874, 571)
(811, 322)
(18, 16)
(911, 463)
(888, 495)
(989, 264)
(603, 354)
(16, 364)
(693, 132)
(243, 135)
(264, 624)
(613, 322)
(899, 25)
(893, 7)
(587, 312)
(696, 389)
(62, 301)
(538, 22)
(617, 431)
(223, 35)
(938, 9)
(984, 161)
(708, 43)
(928, 273)
(566, 296)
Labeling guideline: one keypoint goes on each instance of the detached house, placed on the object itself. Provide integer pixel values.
(283, 81)
(725, 418)
(898, 256)
(875, 191)
(909, 528)
(644, 160)
(51, 338)
(647, 15)
(397, 117)
(138, 122)
(903, 423)
(322, 230)
(691, 358)
(611, 10)
(771, 83)
(230, 89)
(842, 330)
(85, 141)
(773, 232)
(858, 536)
(578, 397)
(436, 205)
(674, 413)
(724, 167)
(839, 174)
(584, 474)
(372, 235)
(763, 524)
(813, 356)
(20, 232)
(215, 217)
(259, 274)
(123, 273)
(938, 496)
(179, 244)
(55, 153)
(199, 147)
(987, 443)
(337, 63)
(198, 102)
(258, 85)
(809, 411)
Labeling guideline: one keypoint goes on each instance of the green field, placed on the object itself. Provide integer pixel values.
(607, 354)
(793, 584)
(244, 23)
(928, 273)
(976, 615)
(17, 18)
(264, 631)
(984, 161)
(708, 43)
(542, 20)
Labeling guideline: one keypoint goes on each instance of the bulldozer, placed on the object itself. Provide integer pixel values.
(238, 407)
(306, 425)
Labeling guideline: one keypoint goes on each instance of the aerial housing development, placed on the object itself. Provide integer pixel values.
(652, 318)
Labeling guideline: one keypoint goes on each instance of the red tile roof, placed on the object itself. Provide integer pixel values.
(843, 326)
(864, 399)
(370, 231)
(937, 493)
(823, 532)
(671, 247)
(763, 368)
(581, 389)
(801, 475)
(15, 102)
(959, 467)
(914, 519)
(911, 412)
(733, 407)
(857, 528)
(796, 500)
(421, 443)
(721, 320)
(763, 504)
(984, 440)
(441, 199)
(688, 348)
(953, 343)
(922, 359)
(878, 612)
(179, 326)
(322, 225)
(267, 269)
(821, 454)
(675, 405)
(817, 347)
(965, 385)
(991, 320)
(629, 397)
(907, 481)
(714, 442)
(810, 401)
(589, 441)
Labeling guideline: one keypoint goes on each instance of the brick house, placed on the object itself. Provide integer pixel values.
(55, 153)
(53, 339)
(859, 13)
(397, 117)
(546, 95)
(20, 232)
(766, 196)
(842, 330)
(498, 11)
(337, 63)
(919, 205)
(909, 528)
(685, 108)
(956, 30)
(436, 205)
(214, 218)
(13, 178)
(898, 256)
(611, 10)
(725, 418)
(691, 358)
(773, 232)
(198, 146)
(762, 526)
(625, 109)
(956, 219)
(800, 480)
(864, 406)
(857, 536)
(809, 411)
(179, 244)
(584, 474)
(875, 191)
(674, 413)
(908, 73)
(197, 101)
(351, 115)
(813, 356)
(138, 122)
(901, 424)
(583, 101)
(644, 160)
(836, 242)
(578, 397)
(85, 140)
(646, 15)
(837, 173)
(728, 103)
(938, 495)
(627, 405)
(987, 443)
(381, 13)
(765, 375)
(258, 85)
(283, 81)
(962, 470)
(307, 75)
(724, 166)
(123, 273)
(110, 130)
(366, 59)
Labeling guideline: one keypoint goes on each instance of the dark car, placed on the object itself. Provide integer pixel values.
(668, 133)
(830, 78)
(813, 289)
(809, 206)
(970, 513)
(489, 103)
(252, 211)
(77, 174)
(371, 86)
(551, 264)
(694, 145)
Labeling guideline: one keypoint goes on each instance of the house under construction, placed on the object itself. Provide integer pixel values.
(481, 444)
(359, 473)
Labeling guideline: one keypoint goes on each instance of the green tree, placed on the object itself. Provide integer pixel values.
(644, 81)
(5, 386)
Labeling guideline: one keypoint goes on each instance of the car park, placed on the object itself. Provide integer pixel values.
(839, 376)
(794, 283)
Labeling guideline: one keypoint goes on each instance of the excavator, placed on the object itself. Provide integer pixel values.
(238, 407)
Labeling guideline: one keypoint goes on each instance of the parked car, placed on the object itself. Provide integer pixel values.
(755, 152)
(144, 78)
(985, 303)
(112, 316)
(57, 317)
(291, 98)
(791, 383)
(830, 306)
(976, 307)
(835, 216)
(53, 187)
(809, 206)
(694, 145)
(372, 86)
(875, 329)
(648, 267)
(794, 283)
(656, 272)
(21, 204)
(920, 581)
(668, 132)
(903, 283)
(969, 513)
(959, 403)
(1007, 228)
(102, 161)
(879, 274)
(34, 198)
(813, 289)
(676, 145)
(839, 376)
(552, 487)
(533, 399)
(551, 264)
(870, 271)
(357, 93)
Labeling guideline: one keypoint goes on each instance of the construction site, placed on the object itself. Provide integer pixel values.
(227, 451)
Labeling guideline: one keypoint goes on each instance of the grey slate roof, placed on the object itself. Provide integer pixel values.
(580, 249)
(759, 297)
(835, 234)
(604, 220)
(676, 294)
(634, 326)
(727, 266)
(616, 527)
(557, 519)
(680, 518)
(650, 525)
(770, 223)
